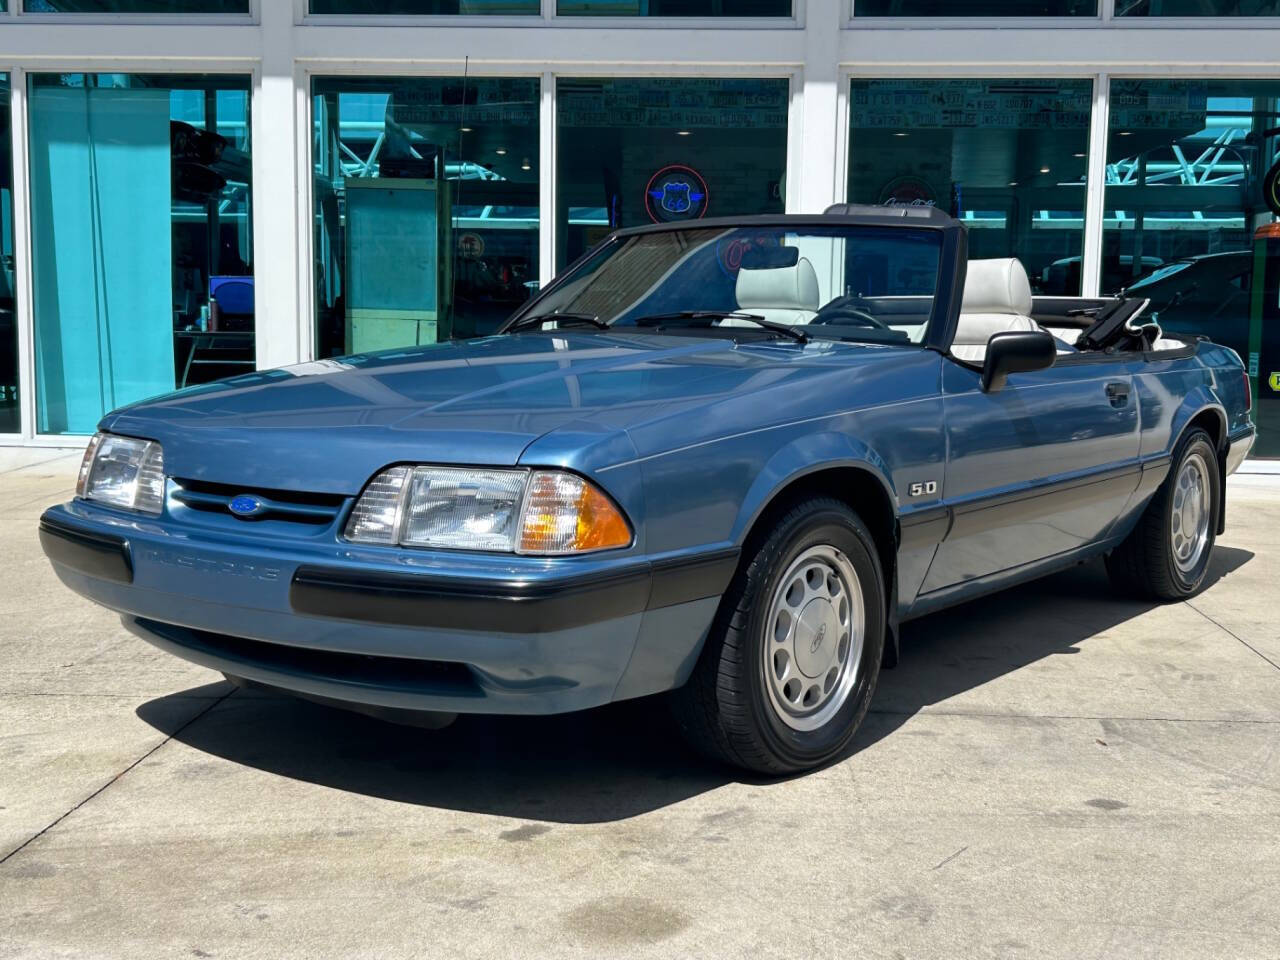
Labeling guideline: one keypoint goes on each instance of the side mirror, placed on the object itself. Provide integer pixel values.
(1016, 351)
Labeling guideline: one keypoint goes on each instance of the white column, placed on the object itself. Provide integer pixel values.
(282, 311)
(547, 179)
(24, 314)
(812, 159)
(1095, 188)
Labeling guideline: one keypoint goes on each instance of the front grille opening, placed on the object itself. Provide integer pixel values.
(293, 505)
(426, 677)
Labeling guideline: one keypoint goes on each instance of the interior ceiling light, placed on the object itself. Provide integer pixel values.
(1013, 183)
(1126, 133)
(902, 134)
(465, 129)
(1044, 169)
(525, 165)
(501, 151)
(1077, 154)
(682, 133)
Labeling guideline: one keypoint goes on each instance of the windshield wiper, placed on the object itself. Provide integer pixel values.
(590, 319)
(786, 330)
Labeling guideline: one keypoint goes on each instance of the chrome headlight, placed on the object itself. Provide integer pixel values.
(123, 472)
(548, 512)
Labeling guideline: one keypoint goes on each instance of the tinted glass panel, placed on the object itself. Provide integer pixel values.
(674, 8)
(425, 7)
(1007, 157)
(1190, 164)
(9, 413)
(135, 6)
(840, 283)
(426, 215)
(1197, 8)
(665, 150)
(976, 8)
(142, 240)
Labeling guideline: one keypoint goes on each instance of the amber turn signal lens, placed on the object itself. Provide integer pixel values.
(564, 513)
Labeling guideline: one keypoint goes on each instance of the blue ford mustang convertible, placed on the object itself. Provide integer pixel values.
(724, 458)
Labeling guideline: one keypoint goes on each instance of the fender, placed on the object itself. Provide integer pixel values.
(1194, 404)
(812, 454)
(802, 457)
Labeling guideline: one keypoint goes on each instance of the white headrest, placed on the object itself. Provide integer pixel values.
(997, 286)
(975, 329)
(791, 288)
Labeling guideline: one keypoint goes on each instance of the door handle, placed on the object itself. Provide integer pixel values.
(1118, 393)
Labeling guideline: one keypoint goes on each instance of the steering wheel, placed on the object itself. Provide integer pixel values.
(848, 314)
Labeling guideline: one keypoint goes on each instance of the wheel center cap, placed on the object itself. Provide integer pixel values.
(816, 638)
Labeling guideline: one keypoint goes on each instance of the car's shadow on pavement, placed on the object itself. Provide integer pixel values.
(623, 760)
(595, 766)
(956, 650)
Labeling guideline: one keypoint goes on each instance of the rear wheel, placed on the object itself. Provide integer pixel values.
(787, 673)
(1167, 555)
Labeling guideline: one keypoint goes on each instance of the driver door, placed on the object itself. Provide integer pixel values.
(1037, 469)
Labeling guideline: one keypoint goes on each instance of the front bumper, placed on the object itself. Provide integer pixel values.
(395, 629)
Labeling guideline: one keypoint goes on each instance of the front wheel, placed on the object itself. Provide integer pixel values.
(1167, 555)
(788, 670)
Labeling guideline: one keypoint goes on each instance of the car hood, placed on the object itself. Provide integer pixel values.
(327, 426)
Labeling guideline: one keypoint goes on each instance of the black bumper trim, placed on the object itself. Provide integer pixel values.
(94, 554)
(510, 606)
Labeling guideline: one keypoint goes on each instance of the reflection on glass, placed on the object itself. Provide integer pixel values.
(976, 8)
(1187, 162)
(142, 241)
(425, 7)
(836, 282)
(135, 6)
(1007, 157)
(1197, 8)
(662, 150)
(674, 8)
(426, 208)
(9, 411)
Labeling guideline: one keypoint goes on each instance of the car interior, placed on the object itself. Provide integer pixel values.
(997, 299)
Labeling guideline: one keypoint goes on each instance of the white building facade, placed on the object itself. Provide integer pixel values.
(198, 189)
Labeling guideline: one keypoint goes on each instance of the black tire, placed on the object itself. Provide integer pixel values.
(1146, 564)
(726, 709)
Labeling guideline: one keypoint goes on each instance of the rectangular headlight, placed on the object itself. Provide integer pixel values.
(123, 472)
(549, 512)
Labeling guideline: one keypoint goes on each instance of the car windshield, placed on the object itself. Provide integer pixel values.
(827, 282)
(1158, 274)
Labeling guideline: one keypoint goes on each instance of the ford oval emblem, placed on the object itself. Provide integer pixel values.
(246, 505)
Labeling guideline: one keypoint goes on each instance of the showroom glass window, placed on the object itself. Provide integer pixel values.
(663, 150)
(674, 8)
(9, 409)
(1197, 8)
(1190, 164)
(136, 6)
(976, 8)
(426, 208)
(142, 255)
(1006, 157)
(425, 7)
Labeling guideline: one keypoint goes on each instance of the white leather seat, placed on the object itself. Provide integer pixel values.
(779, 294)
(997, 297)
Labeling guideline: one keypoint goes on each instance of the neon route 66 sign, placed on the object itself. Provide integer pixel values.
(676, 192)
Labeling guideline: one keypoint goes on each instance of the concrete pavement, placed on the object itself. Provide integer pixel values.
(1051, 772)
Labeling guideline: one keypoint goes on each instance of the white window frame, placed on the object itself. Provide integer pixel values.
(819, 49)
(139, 19)
(547, 17)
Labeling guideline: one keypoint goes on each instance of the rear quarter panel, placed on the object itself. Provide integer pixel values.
(1172, 389)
